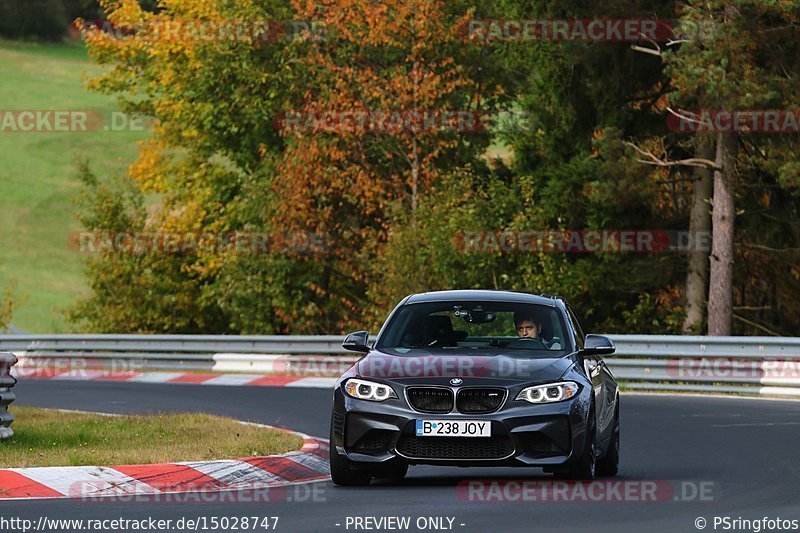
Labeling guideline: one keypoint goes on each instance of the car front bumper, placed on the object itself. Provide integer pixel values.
(523, 434)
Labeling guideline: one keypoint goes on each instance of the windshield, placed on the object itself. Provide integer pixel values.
(522, 330)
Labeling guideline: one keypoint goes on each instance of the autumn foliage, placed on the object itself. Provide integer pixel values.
(259, 113)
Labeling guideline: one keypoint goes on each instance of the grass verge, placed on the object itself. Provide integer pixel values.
(38, 178)
(48, 437)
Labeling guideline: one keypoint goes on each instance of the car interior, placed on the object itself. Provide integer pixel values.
(473, 326)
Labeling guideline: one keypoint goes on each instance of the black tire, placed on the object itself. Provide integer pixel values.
(342, 472)
(585, 466)
(609, 464)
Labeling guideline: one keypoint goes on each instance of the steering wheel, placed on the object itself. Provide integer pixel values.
(526, 343)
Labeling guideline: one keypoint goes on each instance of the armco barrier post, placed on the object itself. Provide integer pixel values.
(7, 360)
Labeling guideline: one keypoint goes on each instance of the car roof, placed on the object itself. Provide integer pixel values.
(478, 295)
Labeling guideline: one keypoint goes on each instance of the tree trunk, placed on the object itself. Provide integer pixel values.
(414, 147)
(699, 227)
(414, 178)
(720, 290)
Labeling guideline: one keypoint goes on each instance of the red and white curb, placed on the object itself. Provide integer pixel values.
(308, 464)
(235, 380)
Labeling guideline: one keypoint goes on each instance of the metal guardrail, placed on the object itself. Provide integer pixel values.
(747, 365)
(627, 345)
(665, 346)
(7, 381)
(175, 344)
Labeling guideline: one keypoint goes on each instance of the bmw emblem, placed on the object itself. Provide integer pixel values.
(456, 381)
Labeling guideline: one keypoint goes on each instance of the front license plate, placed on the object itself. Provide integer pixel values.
(454, 428)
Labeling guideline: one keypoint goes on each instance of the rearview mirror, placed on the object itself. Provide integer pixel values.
(474, 316)
(357, 342)
(598, 345)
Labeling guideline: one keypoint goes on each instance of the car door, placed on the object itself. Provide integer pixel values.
(609, 399)
(593, 366)
(610, 391)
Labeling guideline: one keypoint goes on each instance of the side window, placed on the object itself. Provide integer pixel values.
(576, 326)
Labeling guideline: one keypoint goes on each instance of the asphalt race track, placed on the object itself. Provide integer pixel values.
(743, 454)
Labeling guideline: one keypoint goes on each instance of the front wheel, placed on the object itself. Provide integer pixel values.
(341, 472)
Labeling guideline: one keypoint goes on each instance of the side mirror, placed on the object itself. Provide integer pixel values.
(357, 342)
(598, 345)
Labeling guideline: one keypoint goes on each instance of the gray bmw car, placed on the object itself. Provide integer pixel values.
(476, 378)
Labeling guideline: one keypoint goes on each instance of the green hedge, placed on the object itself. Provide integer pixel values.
(37, 19)
(48, 20)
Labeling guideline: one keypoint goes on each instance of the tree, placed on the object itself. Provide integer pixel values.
(399, 66)
(699, 224)
(252, 135)
(213, 81)
(746, 62)
(39, 19)
(219, 161)
(586, 98)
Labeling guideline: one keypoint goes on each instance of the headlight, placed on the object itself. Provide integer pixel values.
(550, 392)
(368, 390)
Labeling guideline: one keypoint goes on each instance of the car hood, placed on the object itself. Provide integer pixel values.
(436, 369)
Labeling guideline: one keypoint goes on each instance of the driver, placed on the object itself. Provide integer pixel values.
(527, 327)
